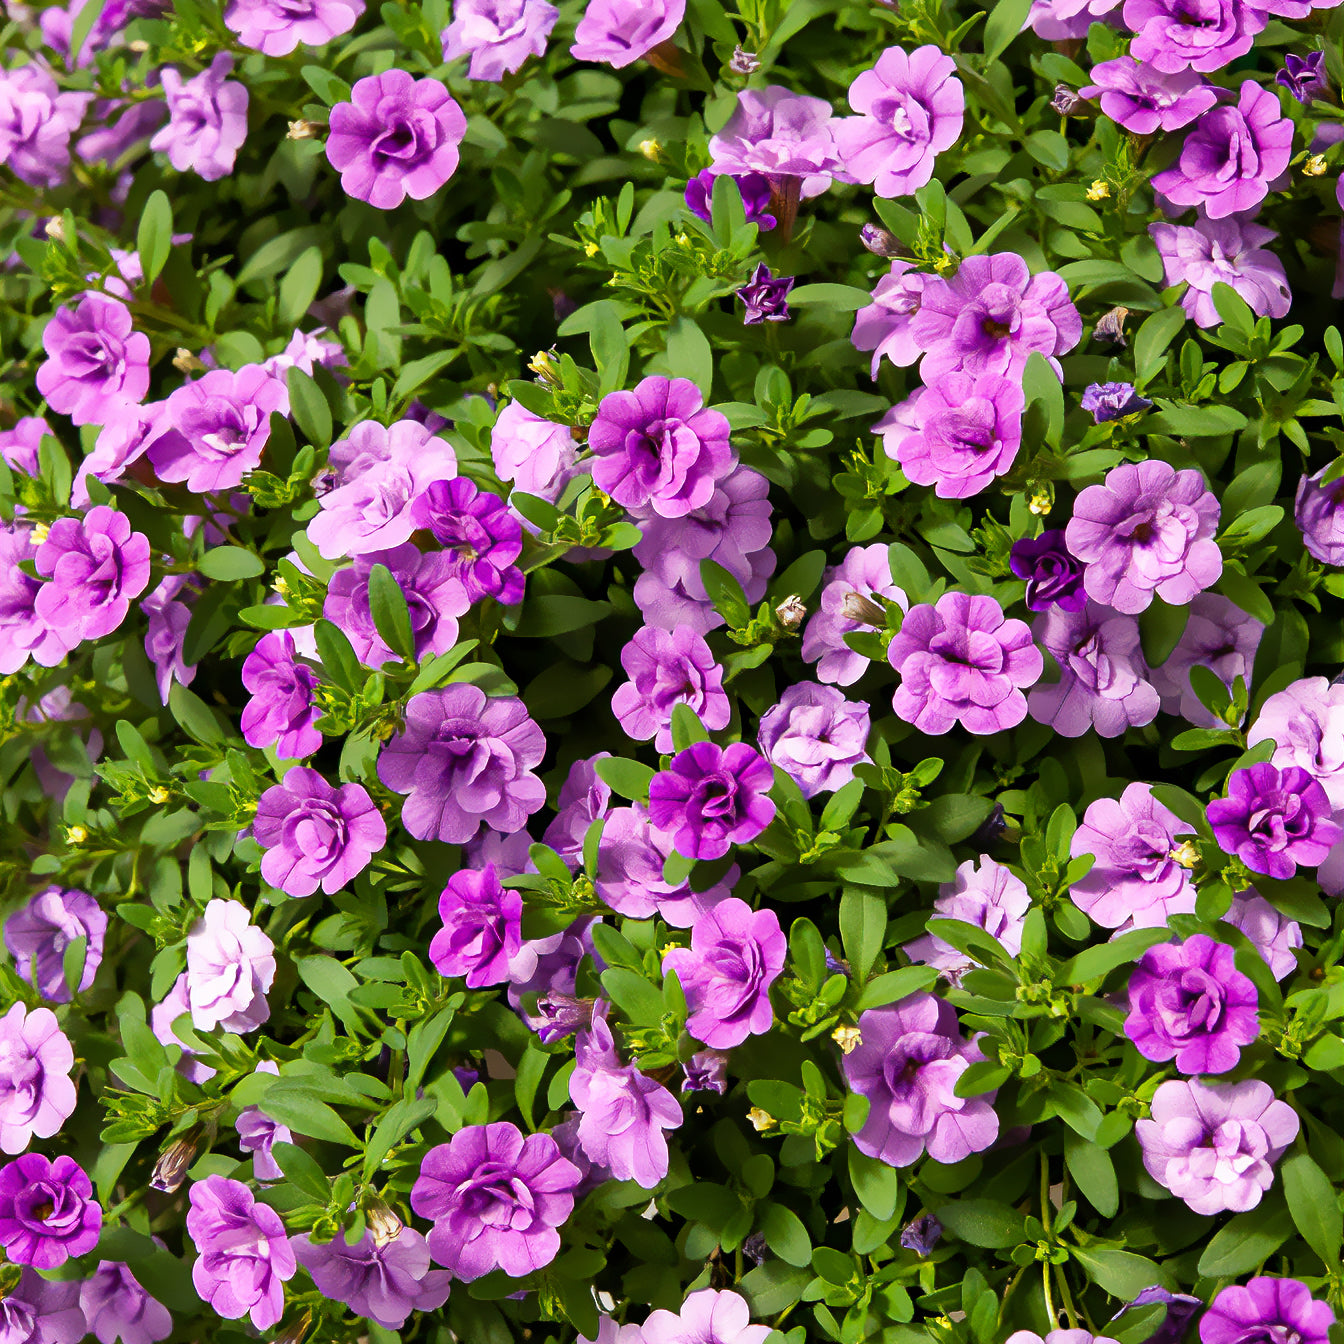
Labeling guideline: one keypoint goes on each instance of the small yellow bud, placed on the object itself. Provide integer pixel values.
(590, 249)
(185, 362)
(1100, 190)
(1040, 503)
(139, 46)
(847, 1038)
(1185, 854)
(76, 835)
(302, 130)
(1315, 166)
(761, 1121)
(158, 795)
(651, 149)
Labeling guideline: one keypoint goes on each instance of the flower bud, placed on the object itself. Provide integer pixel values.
(860, 608)
(54, 228)
(302, 130)
(879, 241)
(171, 1168)
(1065, 100)
(1110, 328)
(1315, 166)
(743, 62)
(295, 1331)
(790, 612)
(185, 362)
(651, 150)
(1100, 190)
(762, 1121)
(382, 1221)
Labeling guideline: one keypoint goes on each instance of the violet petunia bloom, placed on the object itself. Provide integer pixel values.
(1273, 820)
(1144, 99)
(1214, 1145)
(44, 1311)
(782, 135)
(282, 710)
(94, 357)
(1219, 636)
(907, 1065)
(668, 668)
(245, 1256)
(37, 120)
(754, 188)
(1112, 401)
(1058, 1337)
(258, 1133)
(482, 539)
(21, 446)
(922, 1234)
(1135, 881)
(207, 120)
(498, 35)
(986, 895)
(1230, 158)
(584, 797)
(1228, 250)
(1203, 35)
(47, 1211)
(398, 136)
(276, 27)
(1181, 1310)
(230, 966)
(495, 1199)
(884, 326)
(911, 107)
(1054, 575)
(94, 566)
(1304, 76)
(315, 835)
(173, 1006)
(127, 432)
(1264, 1308)
(1063, 20)
(618, 32)
(962, 661)
(37, 1094)
(991, 316)
(866, 573)
(1272, 933)
(482, 928)
(711, 798)
(765, 297)
(116, 1307)
(1147, 529)
(707, 1316)
(705, 1071)
(815, 736)
(538, 456)
(1104, 681)
(38, 934)
(736, 954)
(1305, 721)
(382, 1282)
(213, 431)
(624, 1111)
(166, 623)
(1318, 512)
(464, 760)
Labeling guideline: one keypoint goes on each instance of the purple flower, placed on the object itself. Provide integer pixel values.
(1214, 1144)
(1147, 529)
(1181, 1310)
(780, 134)
(1053, 573)
(245, 1256)
(907, 1065)
(962, 661)
(482, 928)
(816, 736)
(1274, 820)
(711, 798)
(706, 1317)
(281, 712)
(1058, 1337)
(885, 325)
(36, 123)
(1189, 1003)
(1273, 934)
(1221, 637)
(922, 1235)
(1231, 156)
(911, 107)
(705, 1071)
(383, 1282)
(1319, 517)
(1226, 250)
(464, 759)
(1305, 721)
(865, 571)
(258, 1134)
(1063, 20)
(42, 1311)
(47, 1211)
(94, 357)
(498, 35)
(986, 895)
(397, 136)
(1145, 100)
(583, 798)
(95, 566)
(1266, 1309)
(37, 1095)
(765, 297)
(481, 538)
(659, 447)
(1113, 401)
(496, 1200)
(207, 120)
(619, 32)
(126, 434)
(958, 433)
(212, 432)
(115, 1306)
(1134, 882)
(276, 27)
(538, 456)
(1204, 35)
(624, 1111)
(991, 316)
(560, 1015)
(161, 1018)
(21, 446)
(736, 954)
(1304, 76)
(230, 966)
(754, 188)
(316, 835)
(166, 624)
(666, 669)
(37, 935)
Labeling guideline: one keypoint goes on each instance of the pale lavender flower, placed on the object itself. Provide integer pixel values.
(884, 326)
(779, 134)
(38, 934)
(276, 27)
(865, 571)
(816, 736)
(498, 35)
(1273, 934)
(1220, 636)
(245, 1256)
(37, 1095)
(666, 669)
(1320, 518)
(37, 120)
(1144, 100)
(116, 1307)
(618, 32)
(230, 966)
(1228, 250)
(706, 1317)
(986, 895)
(207, 119)
(538, 456)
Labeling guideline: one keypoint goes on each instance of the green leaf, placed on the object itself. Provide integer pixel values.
(863, 926)
(231, 563)
(306, 1114)
(686, 727)
(633, 995)
(631, 779)
(194, 716)
(1094, 963)
(1152, 340)
(308, 407)
(725, 592)
(785, 1234)
(1093, 1172)
(302, 1171)
(877, 1185)
(982, 1222)
(401, 1119)
(299, 287)
(391, 615)
(1186, 421)
(689, 354)
(338, 657)
(558, 614)
(154, 236)
(1121, 1273)
(1313, 1203)
(836, 298)
(1246, 1242)
(896, 985)
(610, 346)
(330, 88)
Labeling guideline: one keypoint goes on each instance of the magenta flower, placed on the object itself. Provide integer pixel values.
(38, 933)
(1265, 1308)
(498, 35)
(230, 966)
(245, 1256)
(315, 835)
(1062, 20)
(495, 1199)
(538, 456)
(1274, 820)
(464, 760)
(962, 661)
(666, 669)
(583, 798)
(985, 894)
(281, 712)
(1226, 250)
(711, 798)
(1220, 636)
(166, 623)
(864, 573)
(36, 123)
(1232, 155)
(1214, 1145)
(1320, 518)
(482, 928)
(619, 32)
(47, 1211)
(885, 325)
(95, 566)
(706, 1317)
(397, 137)
(1304, 76)
(37, 1095)
(736, 954)
(911, 107)
(1054, 575)
(207, 120)
(1204, 35)
(127, 432)
(1145, 100)
(94, 357)
(816, 736)
(276, 27)
(779, 134)
(1112, 401)
(482, 539)
(907, 1065)
(383, 1282)
(115, 1306)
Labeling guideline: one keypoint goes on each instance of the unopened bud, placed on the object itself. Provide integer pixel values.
(790, 612)
(591, 249)
(294, 1332)
(171, 1168)
(1110, 327)
(544, 366)
(76, 835)
(651, 150)
(54, 228)
(1100, 190)
(185, 362)
(847, 1038)
(158, 795)
(761, 1121)
(879, 241)
(1185, 854)
(382, 1221)
(1065, 100)
(858, 607)
(139, 46)
(1315, 166)
(302, 130)
(743, 62)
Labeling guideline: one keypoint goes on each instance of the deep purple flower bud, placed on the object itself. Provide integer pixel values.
(834, 966)
(1181, 1310)
(755, 1248)
(1065, 100)
(765, 297)
(879, 241)
(1113, 401)
(922, 1235)
(1110, 328)
(755, 191)
(562, 1015)
(1304, 76)
(706, 1071)
(991, 830)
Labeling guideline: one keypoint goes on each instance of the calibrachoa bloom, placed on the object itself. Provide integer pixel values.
(907, 1065)
(1305, 721)
(482, 540)
(1266, 1308)
(482, 928)
(666, 669)
(258, 1134)
(38, 933)
(985, 894)
(115, 1306)
(706, 1317)
(230, 966)
(24, 635)
(496, 1200)
(1112, 401)
(864, 573)
(736, 954)
(765, 297)
(397, 137)
(1273, 935)
(815, 735)
(36, 122)
(47, 1211)
(782, 135)
(44, 1311)
(21, 446)
(1053, 573)
(1318, 513)
(1203, 35)
(94, 566)
(1144, 100)
(94, 356)
(498, 35)
(961, 661)
(37, 1094)
(538, 456)
(885, 325)
(630, 878)
(754, 188)
(382, 1281)
(711, 798)
(244, 1255)
(583, 798)
(1220, 636)
(1274, 820)
(1230, 251)
(276, 27)
(1181, 1310)
(316, 835)
(1303, 76)
(282, 710)
(1214, 1145)
(207, 120)
(619, 32)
